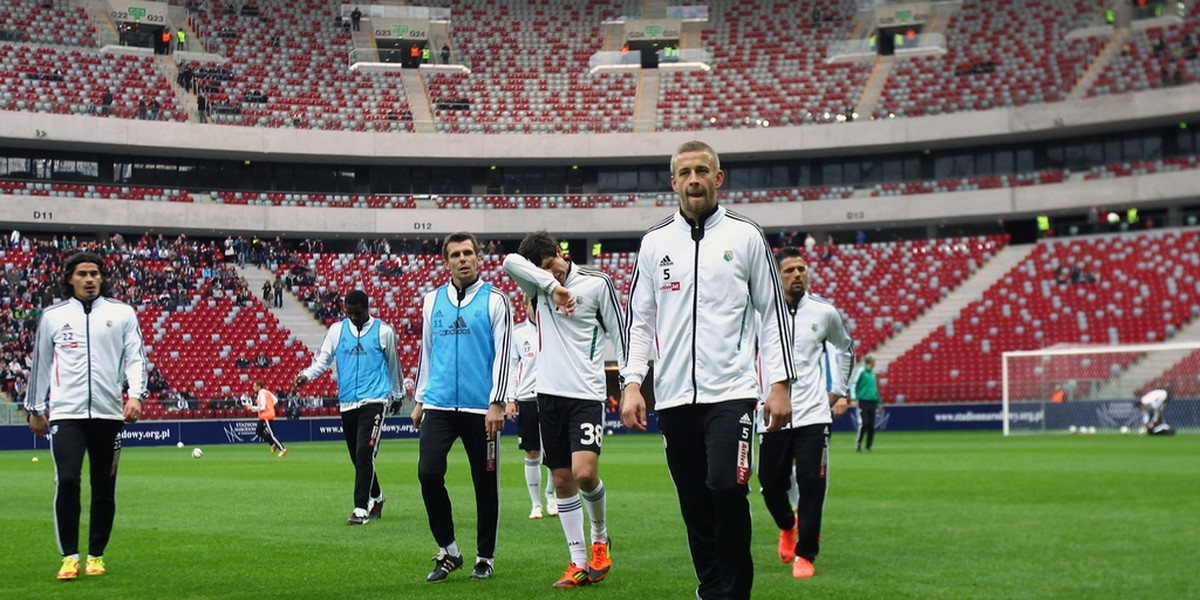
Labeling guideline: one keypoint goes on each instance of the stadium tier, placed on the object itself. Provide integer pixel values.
(528, 67)
(205, 329)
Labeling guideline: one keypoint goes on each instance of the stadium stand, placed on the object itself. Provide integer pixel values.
(1186, 377)
(1109, 289)
(1032, 60)
(46, 23)
(769, 69)
(528, 72)
(60, 81)
(1154, 58)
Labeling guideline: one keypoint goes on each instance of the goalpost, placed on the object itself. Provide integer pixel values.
(1071, 388)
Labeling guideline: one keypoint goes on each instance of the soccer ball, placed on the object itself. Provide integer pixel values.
(1124, 430)
(179, 444)
(1113, 218)
(1091, 430)
(1072, 429)
(197, 453)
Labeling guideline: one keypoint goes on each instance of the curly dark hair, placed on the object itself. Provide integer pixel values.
(73, 262)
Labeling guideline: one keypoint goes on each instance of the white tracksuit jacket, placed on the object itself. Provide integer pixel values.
(571, 353)
(692, 305)
(817, 328)
(82, 359)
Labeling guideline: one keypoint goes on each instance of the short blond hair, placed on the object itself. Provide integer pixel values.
(696, 146)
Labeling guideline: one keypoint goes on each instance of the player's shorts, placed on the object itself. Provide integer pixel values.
(569, 425)
(529, 430)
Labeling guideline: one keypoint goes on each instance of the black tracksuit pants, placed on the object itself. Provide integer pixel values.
(69, 441)
(866, 416)
(439, 429)
(808, 448)
(710, 453)
(362, 428)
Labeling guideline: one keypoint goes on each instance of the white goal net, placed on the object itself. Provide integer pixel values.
(1093, 388)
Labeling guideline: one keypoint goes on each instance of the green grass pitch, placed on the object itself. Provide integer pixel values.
(949, 515)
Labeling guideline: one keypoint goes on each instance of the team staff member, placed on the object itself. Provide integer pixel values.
(461, 389)
(86, 348)
(523, 409)
(815, 326)
(264, 404)
(864, 393)
(576, 309)
(700, 275)
(368, 369)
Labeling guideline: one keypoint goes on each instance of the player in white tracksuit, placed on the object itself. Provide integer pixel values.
(523, 409)
(1153, 405)
(820, 385)
(702, 276)
(577, 309)
(87, 348)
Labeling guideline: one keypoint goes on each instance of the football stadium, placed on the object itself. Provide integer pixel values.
(998, 198)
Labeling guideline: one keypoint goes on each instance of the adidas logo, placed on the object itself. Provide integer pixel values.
(666, 261)
(745, 420)
(357, 350)
(66, 326)
(459, 327)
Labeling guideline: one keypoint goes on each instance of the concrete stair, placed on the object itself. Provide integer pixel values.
(874, 88)
(293, 315)
(647, 101)
(1079, 92)
(418, 100)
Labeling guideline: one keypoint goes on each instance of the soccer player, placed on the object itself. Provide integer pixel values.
(576, 308)
(864, 393)
(461, 390)
(264, 404)
(700, 274)
(86, 347)
(523, 409)
(368, 369)
(1153, 404)
(816, 326)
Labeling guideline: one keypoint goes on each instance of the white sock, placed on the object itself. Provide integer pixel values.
(597, 509)
(533, 479)
(570, 514)
(479, 559)
(794, 491)
(452, 549)
(550, 482)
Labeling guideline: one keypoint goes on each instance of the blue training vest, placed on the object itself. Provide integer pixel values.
(460, 369)
(361, 368)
